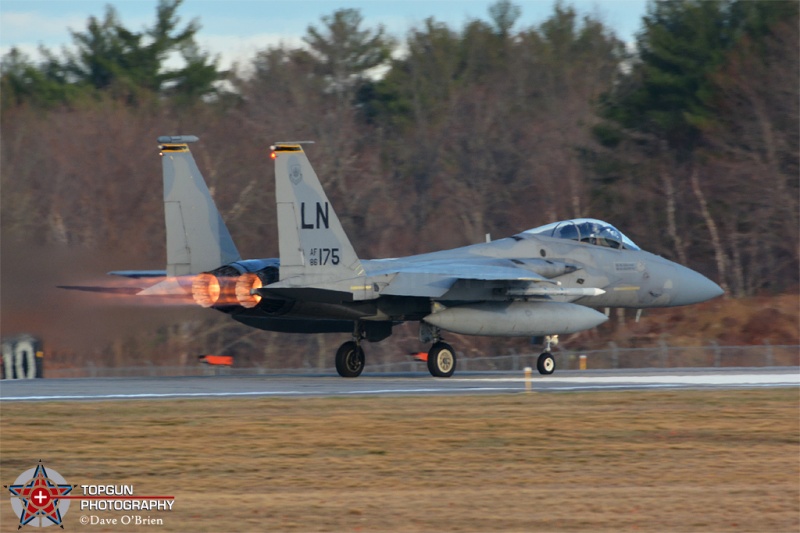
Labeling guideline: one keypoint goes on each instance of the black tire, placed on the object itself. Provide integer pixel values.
(441, 360)
(546, 364)
(350, 360)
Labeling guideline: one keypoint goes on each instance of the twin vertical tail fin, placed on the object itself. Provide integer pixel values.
(197, 238)
(313, 245)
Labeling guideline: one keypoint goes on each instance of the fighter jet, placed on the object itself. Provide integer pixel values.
(543, 282)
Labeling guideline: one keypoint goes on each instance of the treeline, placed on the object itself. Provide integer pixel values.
(689, 143)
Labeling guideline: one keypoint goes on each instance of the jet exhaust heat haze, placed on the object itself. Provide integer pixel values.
(545, 281)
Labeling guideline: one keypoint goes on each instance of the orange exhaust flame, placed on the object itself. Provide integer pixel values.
(206, 290)
(126, 291)
(244, 284)
(209, 290)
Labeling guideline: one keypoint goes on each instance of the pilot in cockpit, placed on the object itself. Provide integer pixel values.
(590, 231)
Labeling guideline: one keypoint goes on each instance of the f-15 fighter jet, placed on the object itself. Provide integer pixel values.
(542, 282)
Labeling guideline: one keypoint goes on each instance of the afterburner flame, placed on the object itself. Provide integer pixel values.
(244, 285)
(205, 289)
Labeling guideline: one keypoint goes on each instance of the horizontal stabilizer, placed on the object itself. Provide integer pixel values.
(136, 274)
(131, 291)
(169, 288)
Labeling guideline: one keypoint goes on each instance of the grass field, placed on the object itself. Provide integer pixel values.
(622, 461)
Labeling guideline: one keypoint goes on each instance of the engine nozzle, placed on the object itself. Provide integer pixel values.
(206, 289)
(244, 285)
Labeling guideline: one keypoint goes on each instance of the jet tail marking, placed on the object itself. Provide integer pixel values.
(312, 242)
(197, 238)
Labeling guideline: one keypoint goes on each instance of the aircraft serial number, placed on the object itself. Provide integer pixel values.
(323, 256)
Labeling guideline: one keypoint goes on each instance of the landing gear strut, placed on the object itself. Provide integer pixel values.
(441, 356)
(546, 364)
(350, 359)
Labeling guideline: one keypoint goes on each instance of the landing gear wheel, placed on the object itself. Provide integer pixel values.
(441, 360)
(350, 360)
(546, 364)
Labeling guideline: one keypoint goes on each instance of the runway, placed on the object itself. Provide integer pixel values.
(413, 384)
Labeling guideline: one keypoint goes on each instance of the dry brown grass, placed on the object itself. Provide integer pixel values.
(632, 461)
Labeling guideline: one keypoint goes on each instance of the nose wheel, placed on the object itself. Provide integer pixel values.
(546, 364)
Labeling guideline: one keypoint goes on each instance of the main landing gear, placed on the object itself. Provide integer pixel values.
(350, 358)
(441, 356)
(546, 364)
(441, 360)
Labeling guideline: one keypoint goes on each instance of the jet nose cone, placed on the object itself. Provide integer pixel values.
(692, 287)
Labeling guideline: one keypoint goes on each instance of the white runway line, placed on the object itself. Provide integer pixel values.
(143, 396)
(682, 379)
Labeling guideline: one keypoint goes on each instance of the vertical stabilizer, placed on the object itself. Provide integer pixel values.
(311, 239)
(197, 238)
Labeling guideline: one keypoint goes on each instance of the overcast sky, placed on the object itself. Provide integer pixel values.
(236, 30)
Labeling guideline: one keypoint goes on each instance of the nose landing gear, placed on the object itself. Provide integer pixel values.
(546, 364)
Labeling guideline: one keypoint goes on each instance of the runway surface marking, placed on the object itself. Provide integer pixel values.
(681, 379)
(266, 386)
(257, 393)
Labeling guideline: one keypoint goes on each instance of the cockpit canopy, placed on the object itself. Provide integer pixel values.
(587, 230)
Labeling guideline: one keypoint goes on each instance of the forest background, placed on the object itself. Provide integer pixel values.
(688, 143)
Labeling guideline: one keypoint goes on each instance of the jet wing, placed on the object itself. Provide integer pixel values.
(433, 280)
(526, 278)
